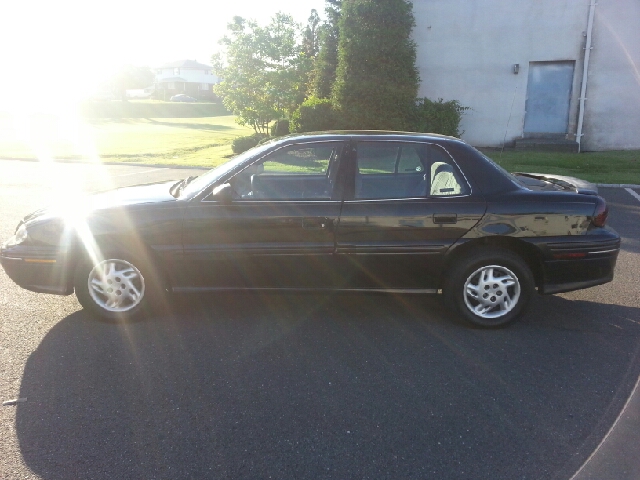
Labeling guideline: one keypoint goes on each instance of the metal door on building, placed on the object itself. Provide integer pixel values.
(548, 97)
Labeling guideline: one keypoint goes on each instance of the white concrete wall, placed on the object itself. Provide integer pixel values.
(612, 113)
(467, 49)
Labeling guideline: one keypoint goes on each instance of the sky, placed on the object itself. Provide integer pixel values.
(64, 48)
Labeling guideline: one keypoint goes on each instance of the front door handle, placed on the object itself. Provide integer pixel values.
(445, 218)
(316, 222)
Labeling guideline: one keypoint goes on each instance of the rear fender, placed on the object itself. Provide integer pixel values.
(529, 253)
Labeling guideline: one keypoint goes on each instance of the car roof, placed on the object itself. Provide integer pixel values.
(370, 135)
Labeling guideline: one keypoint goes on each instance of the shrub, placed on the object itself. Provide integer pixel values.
(314, 115)
(280, 128)
(438, 116)
(242, 144)
(376, 78)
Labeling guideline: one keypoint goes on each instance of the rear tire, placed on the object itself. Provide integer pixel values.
(118, 287)
(489, 288)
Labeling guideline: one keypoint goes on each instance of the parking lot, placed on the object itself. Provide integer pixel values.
(306, 386)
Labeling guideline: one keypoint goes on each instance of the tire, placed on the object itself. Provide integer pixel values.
(489, 288)
(120, 286)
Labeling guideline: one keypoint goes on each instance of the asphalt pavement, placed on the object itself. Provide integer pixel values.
(313, 386)
(616, 457)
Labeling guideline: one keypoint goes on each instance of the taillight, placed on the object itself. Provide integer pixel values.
(600, 213)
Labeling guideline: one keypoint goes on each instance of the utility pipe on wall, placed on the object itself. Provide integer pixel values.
(585, 70)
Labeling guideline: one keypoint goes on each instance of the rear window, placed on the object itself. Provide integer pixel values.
(511, 177)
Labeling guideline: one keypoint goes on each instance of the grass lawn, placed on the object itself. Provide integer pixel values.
(206, 142)
(597, 167)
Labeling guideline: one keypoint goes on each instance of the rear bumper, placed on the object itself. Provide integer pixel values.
(571, 266)
(567, 275)
(39, 270)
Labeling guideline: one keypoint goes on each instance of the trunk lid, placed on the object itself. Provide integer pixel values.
(551, 182)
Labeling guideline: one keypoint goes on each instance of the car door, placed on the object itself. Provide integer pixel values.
(277, 230)
(409, 202)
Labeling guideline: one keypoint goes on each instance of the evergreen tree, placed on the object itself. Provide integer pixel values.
(376, 80)
(310, 35)
(326, 62)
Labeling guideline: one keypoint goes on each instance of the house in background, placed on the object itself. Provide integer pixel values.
(564, 71)
(188, 77)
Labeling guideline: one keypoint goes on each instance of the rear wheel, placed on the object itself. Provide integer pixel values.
(489, 288)
(118, 287)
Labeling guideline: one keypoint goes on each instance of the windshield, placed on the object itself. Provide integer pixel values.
(200, 183)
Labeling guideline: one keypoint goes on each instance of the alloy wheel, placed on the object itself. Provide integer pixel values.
(116, 285)
(491, 291)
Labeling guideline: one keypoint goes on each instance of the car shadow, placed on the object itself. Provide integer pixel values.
(325, 386)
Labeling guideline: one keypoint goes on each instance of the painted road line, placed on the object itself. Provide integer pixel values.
(633, 193)
(138, 173)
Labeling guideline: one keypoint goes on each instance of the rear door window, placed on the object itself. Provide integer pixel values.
(396, 170)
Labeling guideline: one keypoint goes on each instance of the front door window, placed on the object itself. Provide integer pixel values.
(296, 172)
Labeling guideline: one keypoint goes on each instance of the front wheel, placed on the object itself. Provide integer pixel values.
(490, 288)
(117, 287)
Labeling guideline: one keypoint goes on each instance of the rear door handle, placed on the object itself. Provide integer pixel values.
(445, 218)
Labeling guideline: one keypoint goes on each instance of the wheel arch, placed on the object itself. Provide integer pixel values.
(131, 244)
(526, 251)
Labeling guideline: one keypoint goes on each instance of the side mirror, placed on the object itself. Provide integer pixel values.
(223, 194)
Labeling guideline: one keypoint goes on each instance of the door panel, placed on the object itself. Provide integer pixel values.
(401, 243)
(548, 97)
(260, 244)
(278, 230)
(410, 204)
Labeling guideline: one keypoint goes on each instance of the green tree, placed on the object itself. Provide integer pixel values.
(263, 69)
(376, 80)
(310, 35)
(130, 77)
(326, 61)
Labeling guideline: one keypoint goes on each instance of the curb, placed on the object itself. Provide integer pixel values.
(617, 185)
(130, 164)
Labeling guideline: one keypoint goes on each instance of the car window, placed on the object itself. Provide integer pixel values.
(212, 176)
(296, 172)
(445, 178)
(395, 170)
(409, 161)
(307, 160)
(376, 158)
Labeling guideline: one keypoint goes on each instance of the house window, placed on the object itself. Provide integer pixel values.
(207, 72)
(171, 86)
(204, 86)
(176, 71)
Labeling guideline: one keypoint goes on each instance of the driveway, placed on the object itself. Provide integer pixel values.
(307, 386)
